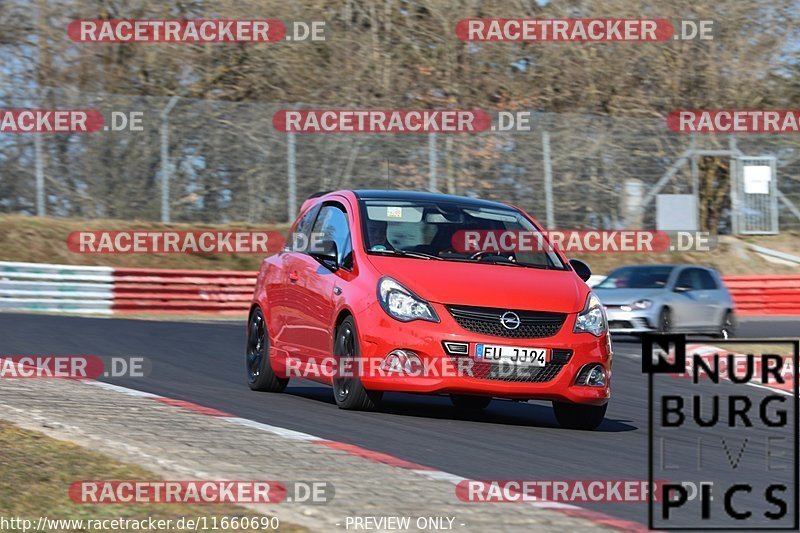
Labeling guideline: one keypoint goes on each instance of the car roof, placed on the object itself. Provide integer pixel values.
(420, 196)
(669, 265)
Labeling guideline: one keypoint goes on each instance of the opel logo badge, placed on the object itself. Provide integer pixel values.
(510, 320)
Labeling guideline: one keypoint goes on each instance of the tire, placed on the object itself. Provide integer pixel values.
(727, 328)
(464, 402)
(260, 376)
(348, 392)
(579, 416)
(665, 321)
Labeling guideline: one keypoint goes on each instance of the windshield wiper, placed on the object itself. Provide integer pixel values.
(506, 263)
(405, 253)
(523, 265)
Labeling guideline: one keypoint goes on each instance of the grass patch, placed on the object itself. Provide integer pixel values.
(43, 240)
(37, 471)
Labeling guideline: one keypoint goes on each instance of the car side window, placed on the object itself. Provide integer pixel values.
(707, 281)
(332, 225)
(300, 235)
(690, 279)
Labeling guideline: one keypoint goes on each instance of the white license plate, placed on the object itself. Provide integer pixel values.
(511, 355)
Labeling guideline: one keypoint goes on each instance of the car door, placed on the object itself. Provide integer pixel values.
(713, 297)
(687, 301)
(286, 299)
(313, 285)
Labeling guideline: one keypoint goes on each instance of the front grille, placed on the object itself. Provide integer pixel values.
(635, 323)
(548, 372)
(486, 321)
(619, 324)
(516, 374)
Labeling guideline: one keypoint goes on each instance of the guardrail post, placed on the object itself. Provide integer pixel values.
(165, 216)
(37, 146)
(432, 179)
(548, 180)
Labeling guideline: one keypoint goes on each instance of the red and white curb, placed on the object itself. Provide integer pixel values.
(370, 455)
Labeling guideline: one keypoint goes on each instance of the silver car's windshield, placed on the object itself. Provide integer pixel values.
(639, 277)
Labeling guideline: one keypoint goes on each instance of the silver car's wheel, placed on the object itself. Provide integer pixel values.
(728, 327)
(665, 321)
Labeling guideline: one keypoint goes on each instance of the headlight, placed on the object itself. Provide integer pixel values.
(402, 304)
(592, 319)
(642, 304)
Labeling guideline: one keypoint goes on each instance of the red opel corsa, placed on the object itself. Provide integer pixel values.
(373, 279)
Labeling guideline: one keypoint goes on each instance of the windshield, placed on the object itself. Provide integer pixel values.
(648, 277)
(427, 228)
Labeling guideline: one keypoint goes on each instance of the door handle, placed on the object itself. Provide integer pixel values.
(293, 277)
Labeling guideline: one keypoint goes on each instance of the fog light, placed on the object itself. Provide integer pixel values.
(456, 348)
(401, 361)
(596, 377)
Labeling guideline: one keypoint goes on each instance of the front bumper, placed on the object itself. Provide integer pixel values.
(634, 321)
(379, 334)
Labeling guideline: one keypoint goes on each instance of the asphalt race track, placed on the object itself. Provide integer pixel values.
(204, 363)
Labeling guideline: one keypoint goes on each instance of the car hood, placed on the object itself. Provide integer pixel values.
(486, 285)
(627, 296)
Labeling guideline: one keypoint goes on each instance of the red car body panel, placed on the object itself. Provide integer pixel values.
(298, 296)
(494, 286)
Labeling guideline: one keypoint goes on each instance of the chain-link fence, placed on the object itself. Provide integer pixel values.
(225, 162)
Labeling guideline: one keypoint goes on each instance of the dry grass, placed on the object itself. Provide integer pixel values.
(37, 471)
(730, 256)
(43, 240)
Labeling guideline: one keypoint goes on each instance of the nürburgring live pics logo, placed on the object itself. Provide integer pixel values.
(723, 433)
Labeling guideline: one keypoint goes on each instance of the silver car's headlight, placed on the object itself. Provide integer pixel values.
(402, 304)
(642, 304)
(593, 318)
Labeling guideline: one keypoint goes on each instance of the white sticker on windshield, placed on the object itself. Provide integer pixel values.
(394, 212)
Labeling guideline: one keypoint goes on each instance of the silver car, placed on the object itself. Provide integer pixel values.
(667, 298)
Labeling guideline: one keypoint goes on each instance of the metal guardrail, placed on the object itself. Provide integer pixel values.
(783, 256)
(108, 290)
(56, 288)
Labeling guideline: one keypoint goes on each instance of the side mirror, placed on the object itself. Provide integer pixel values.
(681, 288)
(581, 269)
(327, 253)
